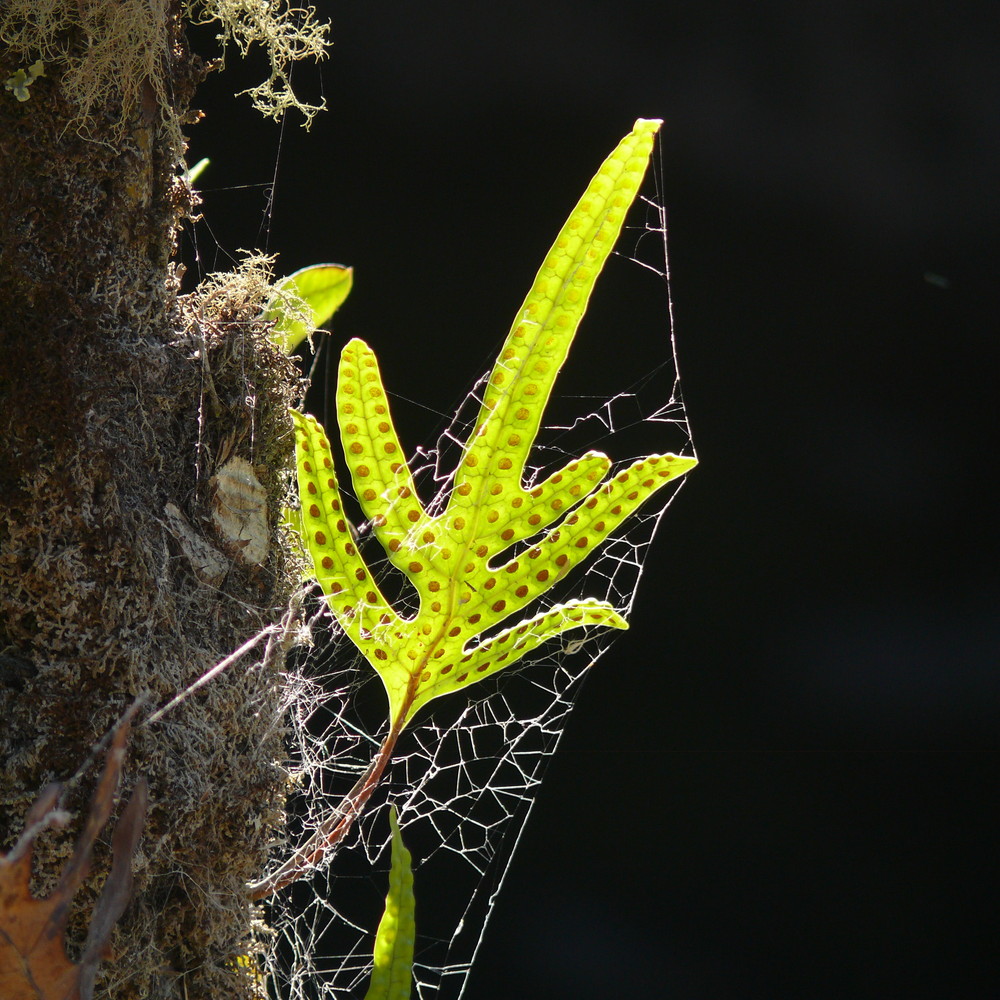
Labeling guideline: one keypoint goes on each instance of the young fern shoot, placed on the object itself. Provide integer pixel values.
(459, 560)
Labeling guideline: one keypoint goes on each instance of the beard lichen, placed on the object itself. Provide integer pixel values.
(125, 47)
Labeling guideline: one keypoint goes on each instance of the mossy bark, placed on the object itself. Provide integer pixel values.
(118, 398)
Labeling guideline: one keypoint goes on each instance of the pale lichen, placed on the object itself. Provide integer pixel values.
(124, 47)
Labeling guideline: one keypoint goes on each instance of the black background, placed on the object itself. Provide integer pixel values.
(782, 782)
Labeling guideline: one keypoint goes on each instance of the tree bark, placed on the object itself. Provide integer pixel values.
(121, 401)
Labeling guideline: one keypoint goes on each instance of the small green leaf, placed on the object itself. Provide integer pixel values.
(305, 300)
(193, 173)
(392, 976)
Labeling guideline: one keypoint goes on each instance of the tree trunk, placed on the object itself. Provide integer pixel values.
(120, 404)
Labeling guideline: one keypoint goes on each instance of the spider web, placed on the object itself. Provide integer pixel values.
(465, 775)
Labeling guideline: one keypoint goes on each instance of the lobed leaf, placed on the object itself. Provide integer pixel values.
(456, 559)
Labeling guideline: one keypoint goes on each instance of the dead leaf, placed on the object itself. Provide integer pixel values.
(33, 960)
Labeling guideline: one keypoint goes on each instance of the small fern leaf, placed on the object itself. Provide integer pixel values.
(392, 975)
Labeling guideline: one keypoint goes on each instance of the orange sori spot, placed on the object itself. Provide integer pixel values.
(512, 568)
(471, 461)
(438, 653)
(425, 677)
(435, 606)
(446, 553)
(369, 495)
(363, 471)
(415, 567)
(458, 524)
(341, 526)
(534, 519)
(384, 619)
(347, 408)
(537, 491)
(633, 495)
(404, 492)
(617, 509)
(464, 490)
(311, 488)
(394, 544)
(514, 440)
(434, 586)
(320, 538)
(470, 567)
(522, 413)
(360, 574)
(350, 549)
(371, 597)
(599, 526)
(504, 463)
(482, 551)
(531, 389)
(517, 502)
(428, 536)
(413, 516)
(381, 654)
(350, 428)
(542, 575)
(307, 465)
(336, 588)
(648, 483)
(499, 605)
(493, 516)
(447, 668)
(394, 467)
(304, 444)
(473, 619)
(357, 448)
(461, 677)
(490, 583)
(556, 504)
(313, 510)
(591, 503)
(455, 631)
(521, 591)
(496, 489)
(561, 560)
(575, 489)
(534, 553)
(482, 668)
(327, 563)
(581, 542)
(507, 534)
(573, 519)
(389, 447)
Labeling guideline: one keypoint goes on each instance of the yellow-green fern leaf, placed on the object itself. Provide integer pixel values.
(457, 560)
(392, 975)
